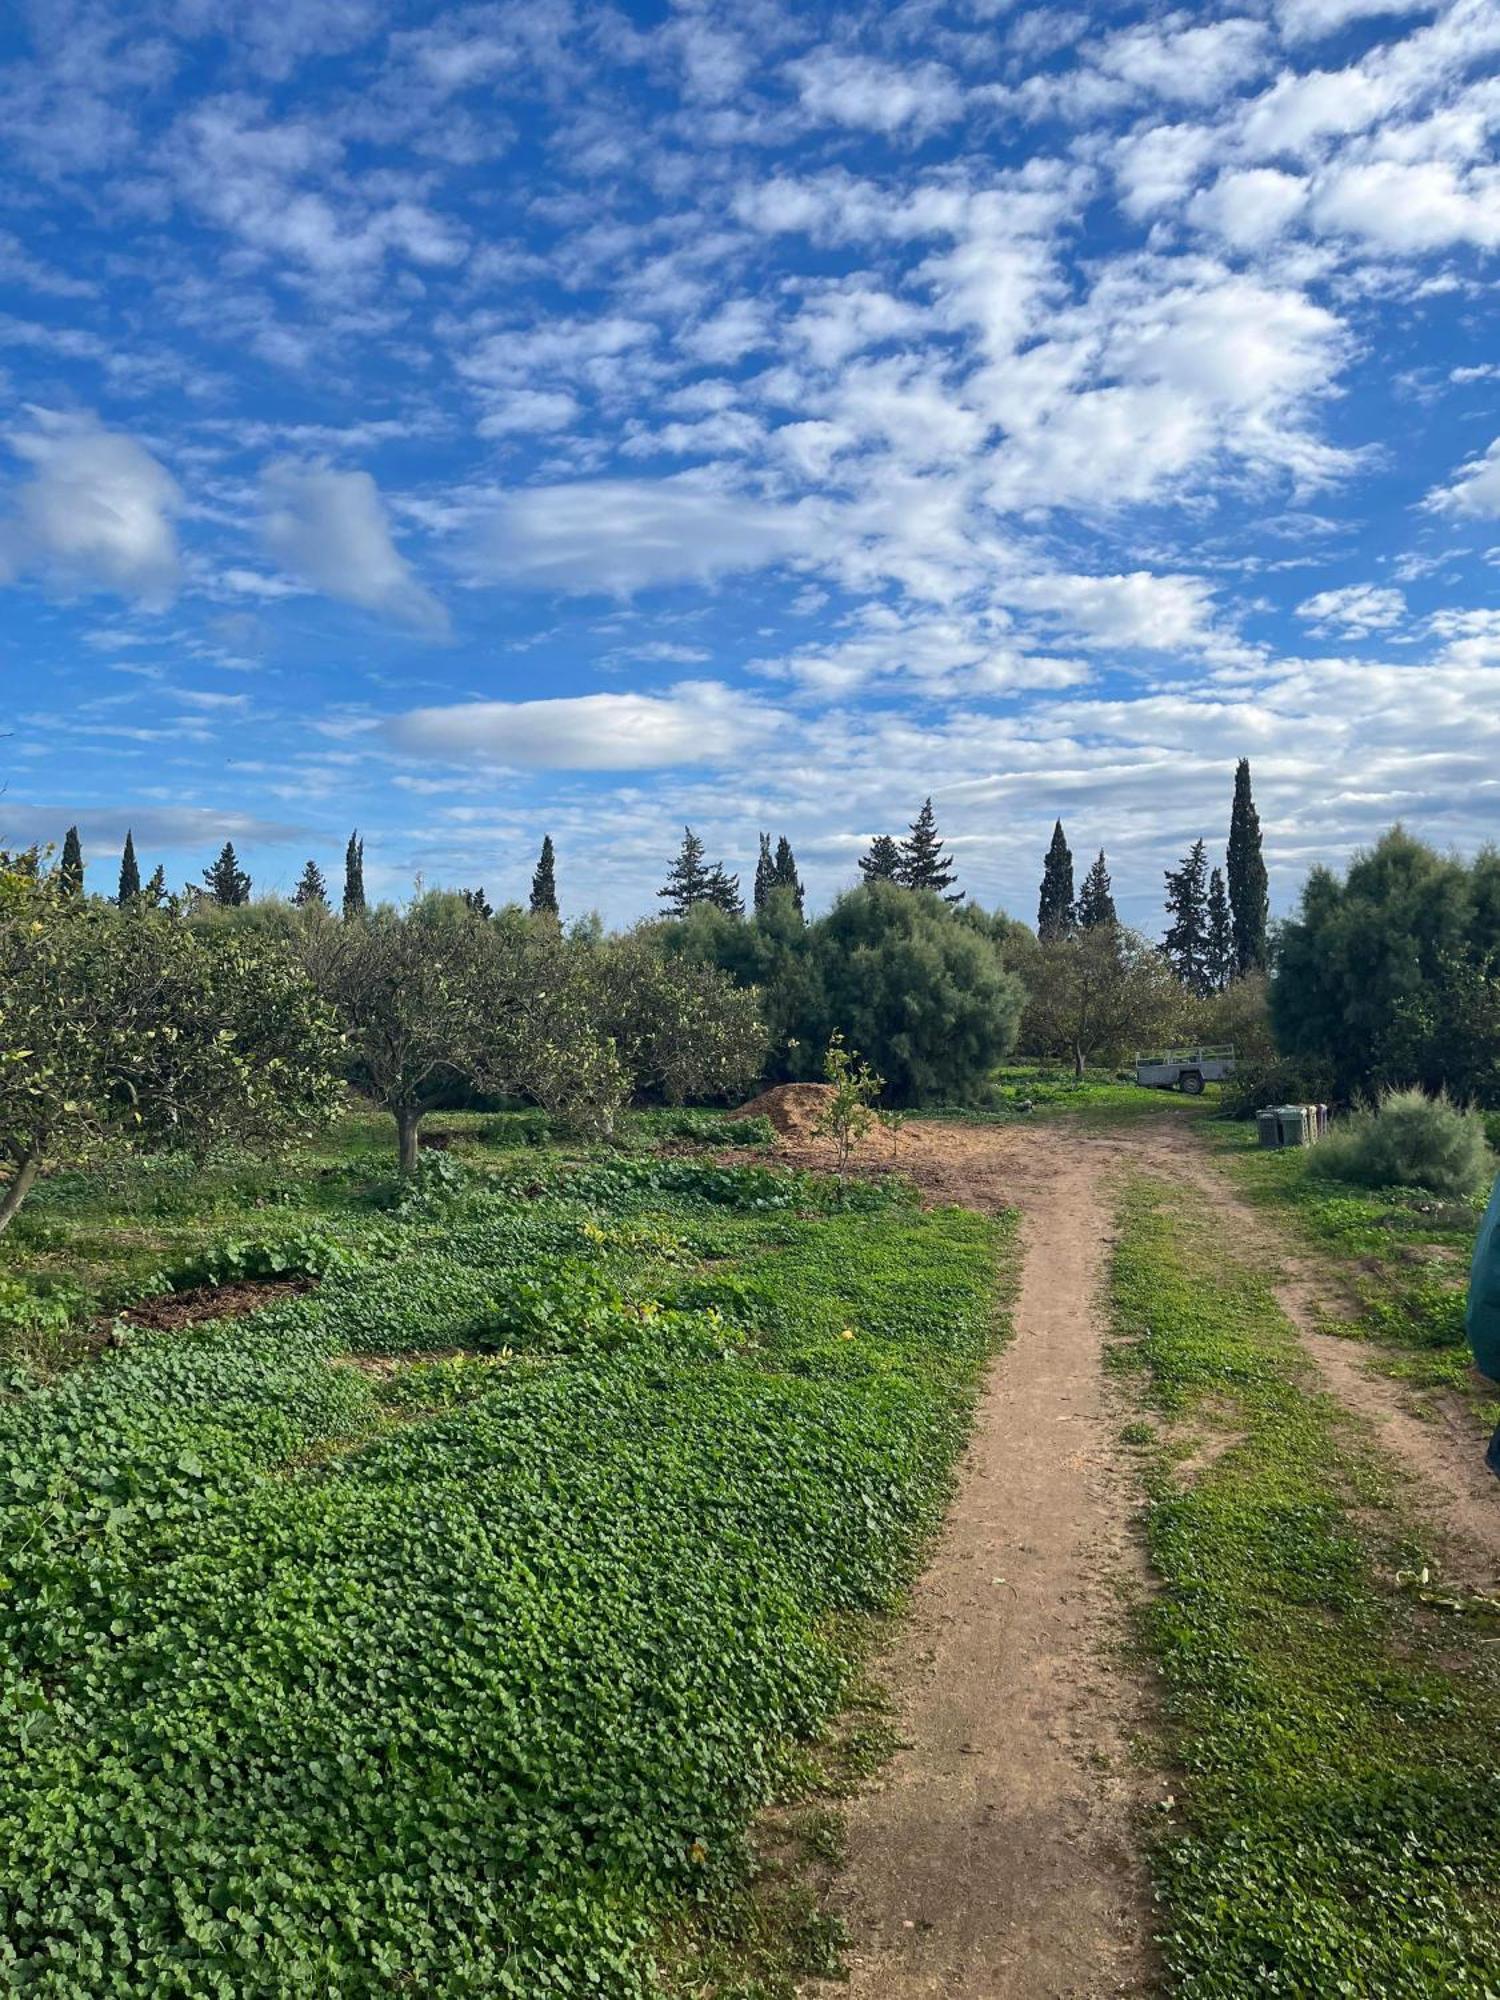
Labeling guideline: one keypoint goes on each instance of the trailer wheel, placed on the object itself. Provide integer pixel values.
(1190, 1083)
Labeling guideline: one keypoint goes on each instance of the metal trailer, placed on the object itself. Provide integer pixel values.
(1186, 1070)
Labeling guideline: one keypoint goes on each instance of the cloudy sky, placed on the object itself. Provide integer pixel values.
(467, 422)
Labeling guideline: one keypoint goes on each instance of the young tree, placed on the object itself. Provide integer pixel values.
(765, 874)
(1096, 992)
(130, 874)
(70, 868)
(226, 882)
(1096, 902)
(784, 873)
(155, 892)
(544, 881)
(1249, 906)
(1055, 914)
(311, 890)
(849, 1115)
(1219, 965)
(882, 862)
(923, 863)
(689, 878)
(1186, 942)
(354, 876)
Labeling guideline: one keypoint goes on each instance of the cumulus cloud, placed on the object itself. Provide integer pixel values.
(96, 513)
(329, 528)
(1475, 491)
(1354, 611)
(876, 96)
(696, 722)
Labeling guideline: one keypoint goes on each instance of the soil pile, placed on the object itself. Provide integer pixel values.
(793, 1108)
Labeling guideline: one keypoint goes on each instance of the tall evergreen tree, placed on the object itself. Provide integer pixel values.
(723, 891)
(155, 892)
(924, 864)
(1186, 941)
(882, 861)
(688, 881)
(226, 882)
(1055, 914)
(765, 872)
(1096, 902)
(130, 874)
(70, 868)
(311, 889)
(1249, 903)
(354, 876)
(544, 881)
(1220, 961)
(784, 872)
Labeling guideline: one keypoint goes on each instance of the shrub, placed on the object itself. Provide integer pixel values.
(1408, 1140)
(1282, 1080)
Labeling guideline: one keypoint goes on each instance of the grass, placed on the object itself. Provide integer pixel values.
(446, 1629)
(1102, 1097)
(1399, 1255)
(1338, 1740)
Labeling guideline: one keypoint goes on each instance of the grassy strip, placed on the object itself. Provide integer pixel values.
(1339, 1742)
(1400, 1255)
(329, 1669)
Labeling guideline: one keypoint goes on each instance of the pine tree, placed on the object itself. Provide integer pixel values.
(1055, 913)
(688, 881)
(476, 902)
(155, 892)
(723, 891)
(923, 863)
(1249, 905)
(784, 872)
(765, 873)
(226, 882)
(130, 874)
(311, 889)
(70, 868)
(544, 881)
(883, 861)
(1220, 961)
(1096, 902)
(1186, 941)
(354, 876)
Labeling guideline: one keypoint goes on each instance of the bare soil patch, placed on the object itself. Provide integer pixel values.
(793, 1108)
(170, 1310)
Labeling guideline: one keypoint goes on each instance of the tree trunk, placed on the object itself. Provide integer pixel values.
(408, 1124)
(1078, 1063)
(20, 1186)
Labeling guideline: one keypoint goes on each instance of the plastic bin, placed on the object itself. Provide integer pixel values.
(1267, 1130)
(1291, 1124)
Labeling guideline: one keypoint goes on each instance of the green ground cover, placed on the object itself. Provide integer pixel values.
(1336, 1737)
(1100, 1097)
(1399, 1255)
(442, 1630)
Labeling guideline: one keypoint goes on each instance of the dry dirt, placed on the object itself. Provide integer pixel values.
(170, 1310)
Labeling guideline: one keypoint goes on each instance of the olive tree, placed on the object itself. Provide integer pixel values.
(1093, 993)
(133, 1027)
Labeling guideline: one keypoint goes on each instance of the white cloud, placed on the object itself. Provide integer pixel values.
(1250, 207)
(97, 512)
(876, 96)
(1475, 491)
(1409, 206)
(696, 722)
(1138, 610)
(525, 411)
(1192, 64)
(1310, 20)
(330, 529)
(1354, 611)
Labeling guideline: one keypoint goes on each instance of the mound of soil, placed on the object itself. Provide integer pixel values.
(793, 1108)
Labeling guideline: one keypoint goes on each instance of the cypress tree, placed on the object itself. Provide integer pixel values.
(1220, 967)
(311, 889)
(544, 881)
(227, 883)
(354, 876)
(1186, 941)
(688, 880)
(765, 873)
(155, 892)
(476, 902)
(883, 861)
(130, 874)
(923, 863)
(1096, 902)
(1249, 904)
(70, 868)
(1055, 914)
(784, 872)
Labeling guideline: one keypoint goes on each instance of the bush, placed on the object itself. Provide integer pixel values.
(1408, 1140)
(1282, 1080)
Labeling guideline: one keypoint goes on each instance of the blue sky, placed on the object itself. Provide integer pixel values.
(471, 422)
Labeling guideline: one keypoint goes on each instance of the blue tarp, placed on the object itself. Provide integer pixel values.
(1484, 1292)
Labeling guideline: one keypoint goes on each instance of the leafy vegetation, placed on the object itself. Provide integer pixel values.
(443, 1629)
(1408, 1139)
(1338, 1739)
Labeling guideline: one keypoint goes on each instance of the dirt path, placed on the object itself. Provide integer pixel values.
(999, 1857)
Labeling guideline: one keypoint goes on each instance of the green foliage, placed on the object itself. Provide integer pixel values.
(1408, 1139)
(1187, 943)
(70, 868)
(465, 1674)
(1274, 1081)
(1055, 914)
(924, 863)
(1096, 901)
(848, 1116)
(302, 1255)
(1096, 993)
(1245, 867)
(130, 874)
(226, 882)
(1337, 1747)
(544, 881)
(882, 860)
(354, 876)
(311, 888)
